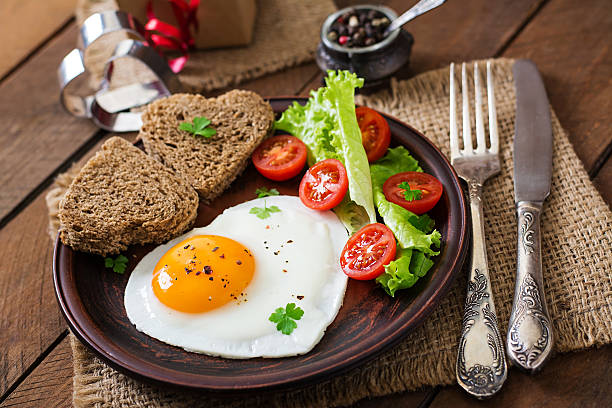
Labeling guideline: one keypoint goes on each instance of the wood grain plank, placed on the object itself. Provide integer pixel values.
(457, 31)
(30, 320)
(582, 379)
(36, 135)
(570, 43)
(27, 24)
(464, 30)
(603, 181)
(285, 83)
(49, 385)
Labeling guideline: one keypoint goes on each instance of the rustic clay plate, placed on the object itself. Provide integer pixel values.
(91, 298)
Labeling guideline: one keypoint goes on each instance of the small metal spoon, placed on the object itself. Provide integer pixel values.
(421, 7)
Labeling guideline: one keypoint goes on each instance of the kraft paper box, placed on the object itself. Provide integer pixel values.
(222, 23)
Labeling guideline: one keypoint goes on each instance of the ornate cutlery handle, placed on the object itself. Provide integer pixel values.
(530, 334)
(481, 362)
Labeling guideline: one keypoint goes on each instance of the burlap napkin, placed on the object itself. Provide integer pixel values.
(286, 34)
(577, 242)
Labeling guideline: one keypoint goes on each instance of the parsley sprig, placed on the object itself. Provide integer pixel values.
(199, 127)
(264, 192)
(118, 264)
(285, 318)
(264, 212)
(409, 194)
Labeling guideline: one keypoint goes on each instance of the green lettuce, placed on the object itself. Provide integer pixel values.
(328, 126)
(402, 273)
(414, 233)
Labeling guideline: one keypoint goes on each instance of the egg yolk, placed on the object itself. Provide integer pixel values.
(203, 273)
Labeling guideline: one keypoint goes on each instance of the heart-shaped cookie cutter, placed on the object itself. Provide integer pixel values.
(109, 109)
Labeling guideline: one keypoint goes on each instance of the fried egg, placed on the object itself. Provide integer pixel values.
(213, 289)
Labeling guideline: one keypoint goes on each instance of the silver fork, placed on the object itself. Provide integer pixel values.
(481, 363)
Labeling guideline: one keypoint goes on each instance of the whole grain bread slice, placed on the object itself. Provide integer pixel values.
(123, 197)
(242, 120)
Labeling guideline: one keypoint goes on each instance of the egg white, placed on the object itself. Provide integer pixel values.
(241, 329)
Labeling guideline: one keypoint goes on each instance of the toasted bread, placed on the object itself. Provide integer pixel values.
(242, 120)
(123, 197)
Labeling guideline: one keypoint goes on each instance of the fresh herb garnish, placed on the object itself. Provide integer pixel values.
(409, 194)
(264, 192)
(264, 212)
(118, 264)
(199, 127)
(285, 318)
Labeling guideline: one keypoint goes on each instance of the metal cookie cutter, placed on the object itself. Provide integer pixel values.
(109, 109)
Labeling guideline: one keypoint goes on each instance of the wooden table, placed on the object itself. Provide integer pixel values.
(568, 40)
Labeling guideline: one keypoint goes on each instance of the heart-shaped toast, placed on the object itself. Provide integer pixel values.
(242, 119)
(123, 197)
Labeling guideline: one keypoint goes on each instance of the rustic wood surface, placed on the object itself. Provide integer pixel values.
(568, 40)
(570, 44)
(35, 24)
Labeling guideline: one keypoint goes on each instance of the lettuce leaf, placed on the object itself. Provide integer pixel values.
(404, 271)
(328, 126)
(408, 236)
(413, 232)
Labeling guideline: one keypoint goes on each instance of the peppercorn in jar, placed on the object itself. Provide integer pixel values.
(358, 28)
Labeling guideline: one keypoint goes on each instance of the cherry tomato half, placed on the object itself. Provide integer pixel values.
(375, 133)
(430, 187)
(368, 251)
(280, 157)
(324, 185)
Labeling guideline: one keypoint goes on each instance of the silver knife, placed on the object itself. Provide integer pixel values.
(530, 333)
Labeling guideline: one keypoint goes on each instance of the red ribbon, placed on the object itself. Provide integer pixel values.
(162, 35)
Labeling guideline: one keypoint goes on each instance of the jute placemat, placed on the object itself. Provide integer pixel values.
(577, 242)
(286, 34)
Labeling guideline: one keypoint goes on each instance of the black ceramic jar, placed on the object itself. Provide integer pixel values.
(373, 62)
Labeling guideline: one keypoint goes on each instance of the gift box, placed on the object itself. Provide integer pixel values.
(221, 23)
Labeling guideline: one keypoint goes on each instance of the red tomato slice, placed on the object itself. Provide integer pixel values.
(375, 133)
(280, 157)
(324, 185)
(431, 191)
(368, 251)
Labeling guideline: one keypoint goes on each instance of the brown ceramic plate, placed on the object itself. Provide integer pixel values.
(91, 299)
